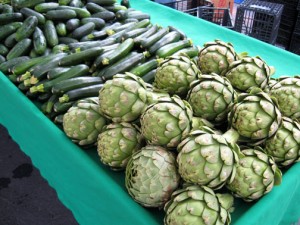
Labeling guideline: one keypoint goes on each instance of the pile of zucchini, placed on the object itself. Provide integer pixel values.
(59, 52)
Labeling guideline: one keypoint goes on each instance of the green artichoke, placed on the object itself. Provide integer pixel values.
(166, 122)
(209, 159)
(83, 122)
(123, 98)
(175, 74)
(211, 97)
(196, 205)
(249, 72)
(287, 93)
(198, 123)
(256, 174)
(216, 56)
(255, 116)
(151, 176)
(284, 146)
(117, 143)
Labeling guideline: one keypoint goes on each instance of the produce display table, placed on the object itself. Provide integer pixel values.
(97, 195)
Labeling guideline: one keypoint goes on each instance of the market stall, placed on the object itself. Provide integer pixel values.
(97, 195)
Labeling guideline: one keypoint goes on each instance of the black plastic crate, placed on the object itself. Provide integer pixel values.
(220, 16)
(297, 24)
(298, 7)
(259, 19)
(182, 5)
(295, 43)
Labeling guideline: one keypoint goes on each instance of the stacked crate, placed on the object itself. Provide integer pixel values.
(295, 40)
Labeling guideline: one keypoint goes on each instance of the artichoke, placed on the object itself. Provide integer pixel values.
(151, 176)
(211, 97)
(287, 93)
(175, 74)
(207, 158)
(215, 57)
(117, 143)
(166, 122)
(256, 174)
(284, 146)
(249, 72)
(196, 205)
(83, 122)
(255, 116)
(123, 98)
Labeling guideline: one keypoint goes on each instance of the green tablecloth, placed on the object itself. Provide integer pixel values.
(96, 195)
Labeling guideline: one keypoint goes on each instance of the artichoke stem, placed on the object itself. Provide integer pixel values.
(232, 136)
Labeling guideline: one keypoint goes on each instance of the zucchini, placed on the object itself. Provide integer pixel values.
(146, 42)
(105, 15)
(76, 3)
(19, 4)
(96, 35)
(74, 83)
(7, 18)
(50, 33)
(83, 92)
(10, 41)
(45, 7)
(125, 64)
(61, 30)
(72, 24)
(146, 34)
(6, 9)
(44, 98)
(2, 59)
(39, 41)
(99, 23)
(115, 8)
(27, 12)
(81, 12)
(62, 107)
(94, 8)
(80, 57)
(9, 29)
(12, 77)
(56, 72)
(98, 61)
(33, 54)
(125, 3)
(50, 103)
(103, 2)
(144, 68)
(20, 49)
(64, 2)
(22, 87)
(149, 77)
(75, 71)
(66, 40)
(120, 52)
(122, 14)
(60, 48)
(105, 44)
(120, 28)
(182, 34)
(3, 50)
(170, 49)
(134, 33)
(190, 51)
(61, 14)
(128, 20)
(6, 66)
(59, 119)
(171, 37)
(27, 29)
(138, 15)
(83, 30)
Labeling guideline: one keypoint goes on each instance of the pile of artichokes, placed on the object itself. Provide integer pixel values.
(207, 130)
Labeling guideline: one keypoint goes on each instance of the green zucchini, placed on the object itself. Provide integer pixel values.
(13, 78)
(120, 52)
(81, 12)
(22, 87)
(64, 2)
(76, 3)
(182, 34)
(152, 30)
(44, 98)
(20, 49)
(60, 48)
(50, 33)
(27, 29)
(7, 18)
(58, 119)
(96, 35)
(72, 24)
(33, 54)
(61, 30)
(103, 2)
(83, 92)
(9, 29)
(107, 44)
(115, 8)
(146, 67)
(3, 50)
(75, 71)
(19, 4)
(105, 15)
(66, 40)
(122, 14)
(99, 23)
(125, 3)
(2, 59)
(120, 28)
(171, 37)
(190, 51)
(170, 49)
(146, 42)
(10, 41)
(83, 30)
(80, 57)
(134, 33)
(62, 107)
(6, 66)
(50, 103)
(149, 77)
(94, 8)
(7, 9)
(98, 61)
(45, 7)
(125, 64)
(61, 14)
(56, 72)
(138, 15)
(27, 12)
(74, 83)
